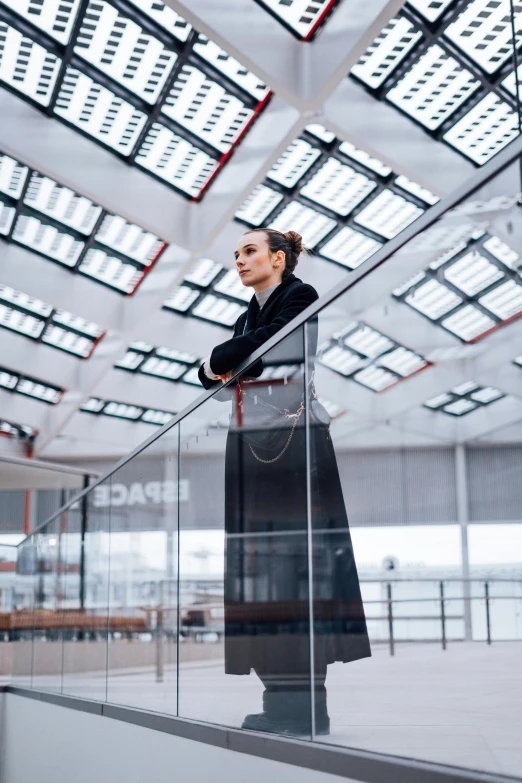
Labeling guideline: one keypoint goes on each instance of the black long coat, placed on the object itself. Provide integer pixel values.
(267, 606)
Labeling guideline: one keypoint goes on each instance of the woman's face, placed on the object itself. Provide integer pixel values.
(256, 265)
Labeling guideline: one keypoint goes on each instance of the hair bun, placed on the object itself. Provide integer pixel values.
(295, 241)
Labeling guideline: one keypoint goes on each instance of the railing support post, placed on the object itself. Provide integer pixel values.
(488, 617)
(390, 619)
(442, 615)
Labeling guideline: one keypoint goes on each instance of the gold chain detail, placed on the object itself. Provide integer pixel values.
(296, 416)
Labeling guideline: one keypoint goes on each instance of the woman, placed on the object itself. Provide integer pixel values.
(267, 606)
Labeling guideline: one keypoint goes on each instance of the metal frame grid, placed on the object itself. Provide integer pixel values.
(210, 292)
(337, 196)
(447, 66)
(370, 358)
(60, 225)
(464, 399)
(47, 325)
(20, 383)
(122, 410)
(179, 125)
(161, 363)
(310, 15)
(469, 288)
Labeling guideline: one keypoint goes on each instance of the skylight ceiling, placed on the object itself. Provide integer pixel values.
(448, 66)
(33, 318)
(343, 201)
(464, 399)
(23, 432)
(135, 77)
(65, 227)
(470, 290)
(212, 293)
(166, 363)
(370, 358)
(30, 387)
(302, 17)
(122, 410)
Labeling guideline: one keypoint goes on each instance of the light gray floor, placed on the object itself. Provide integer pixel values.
(461, 707)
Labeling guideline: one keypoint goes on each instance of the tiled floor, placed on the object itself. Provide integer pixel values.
(461, 707)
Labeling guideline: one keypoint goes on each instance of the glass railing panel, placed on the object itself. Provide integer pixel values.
(8, 558)
(244, 590)
(407, 368)
(47, 614)
(85, 603)
(21, 621)
(143, 617)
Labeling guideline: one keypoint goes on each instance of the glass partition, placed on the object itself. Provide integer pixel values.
(315, 549)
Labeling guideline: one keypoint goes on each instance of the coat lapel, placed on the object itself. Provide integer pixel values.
(271, 305)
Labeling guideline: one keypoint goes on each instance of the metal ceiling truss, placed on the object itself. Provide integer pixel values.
(414, 38)
(148, 125)
(92, 250)
(372, 180)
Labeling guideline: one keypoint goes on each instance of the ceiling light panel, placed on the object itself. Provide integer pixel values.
(48, 240)
(430, 9)
(303, 17)
(98, 111)
(192, 377)
(181, 299)
(320, 132)
(12, 176)
(62, 204)
(121, 410)
(30, 387)
(231, 67)
(54, 17)
(433, 299)
(294, 163)
(110, 270)
(483, 31)
(176, 160)
(338, 187)
(374, 164)
(206, 108)
(23, 323)
(7, 215)
(131, 361)
(349, 248)
(67, 341)
(259, 205)
(218, 310)
(370, 357)
(472, 273)
(504, 301)
(388, 214)
(230, 285)
(313, 226)
(156, 417)
(163, 368)
(129, 239)
(386, 52)
(468, 323)
(484, 130)
(434, 87)
(20, 431)
(165, 17)
(416, 190)
(203, 272)
(124, 51)
(26, 66)
(464, 399)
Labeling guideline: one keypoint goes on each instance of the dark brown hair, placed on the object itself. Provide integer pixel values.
(290, 243)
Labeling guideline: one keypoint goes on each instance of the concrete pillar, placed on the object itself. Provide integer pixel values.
(461, 485)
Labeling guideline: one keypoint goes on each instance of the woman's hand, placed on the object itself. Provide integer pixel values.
(225, 377)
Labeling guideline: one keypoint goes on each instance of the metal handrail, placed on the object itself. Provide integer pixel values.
(487, 172)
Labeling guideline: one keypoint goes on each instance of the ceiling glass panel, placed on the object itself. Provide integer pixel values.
(430, 9)
(26, 66)
(98, 111)
(54, 17)
(30, 387)
(124, 51)
(165, 16)
(230, 285)
(388, 214)
(294, 163)
(338, 187)
(303, 17)
(376, 165)
(218, 310)
(12, 176)
(176, 160)
(386, 52)
(7, 215)
(181, 299)
(203, 272)
(434, 87)
(349, 247)
(206, 108)
(129, 239)
(484, 130)
(61, 203)
(259, 205)
(313, 226)
(464, 399)
(231, 67)
(110, 270)
(48, 240)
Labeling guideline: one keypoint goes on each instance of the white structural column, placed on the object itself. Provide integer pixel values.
(461, 486)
